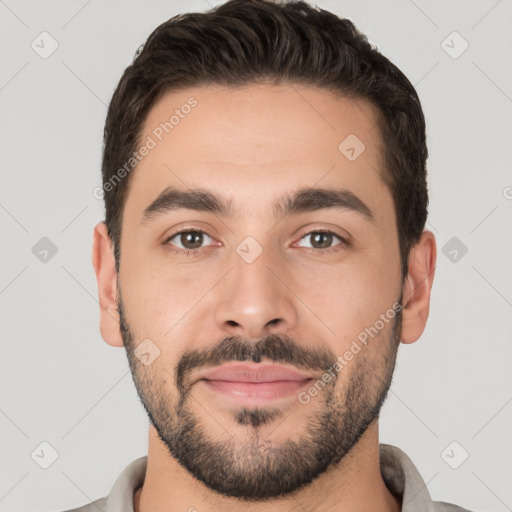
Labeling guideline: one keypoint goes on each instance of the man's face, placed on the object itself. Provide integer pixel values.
(260, 284)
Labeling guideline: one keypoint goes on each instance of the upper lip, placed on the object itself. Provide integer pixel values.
(256, 372)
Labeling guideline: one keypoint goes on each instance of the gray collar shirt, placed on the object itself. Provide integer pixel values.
(399, 473)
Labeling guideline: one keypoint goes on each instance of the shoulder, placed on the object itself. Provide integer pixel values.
(441, 506)
(121, 495)
(99, 505)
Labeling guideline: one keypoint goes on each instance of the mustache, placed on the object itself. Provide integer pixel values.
(277, 348)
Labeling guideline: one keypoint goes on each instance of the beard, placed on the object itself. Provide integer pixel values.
(258, 469)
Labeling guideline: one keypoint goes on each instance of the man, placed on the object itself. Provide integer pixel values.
(262, 257)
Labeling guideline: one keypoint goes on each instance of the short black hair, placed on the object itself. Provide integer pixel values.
(244, 42)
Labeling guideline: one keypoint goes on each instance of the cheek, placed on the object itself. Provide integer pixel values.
(368, 352)
(349, 297)
(160, 298)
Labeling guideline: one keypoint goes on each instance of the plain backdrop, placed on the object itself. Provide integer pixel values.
(61, 384)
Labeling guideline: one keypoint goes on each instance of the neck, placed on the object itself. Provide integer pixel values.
(352, 485)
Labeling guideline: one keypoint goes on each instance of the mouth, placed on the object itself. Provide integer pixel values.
(254, 383)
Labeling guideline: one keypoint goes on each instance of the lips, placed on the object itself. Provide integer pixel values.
(253, 373)
(253, 383)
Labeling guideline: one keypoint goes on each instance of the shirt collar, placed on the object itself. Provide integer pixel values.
(404, 480)
(132, 477)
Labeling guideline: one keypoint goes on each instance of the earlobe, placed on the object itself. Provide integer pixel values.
(103, 262)
(417, 287)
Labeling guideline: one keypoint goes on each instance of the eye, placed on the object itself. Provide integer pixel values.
(188, 241)
(191, 241)
(323, 239)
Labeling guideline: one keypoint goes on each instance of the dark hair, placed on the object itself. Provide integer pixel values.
(259, 41)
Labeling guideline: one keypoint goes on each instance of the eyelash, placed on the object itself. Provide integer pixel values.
(189, 252)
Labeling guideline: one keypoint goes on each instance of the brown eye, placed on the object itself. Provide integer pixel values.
(191, 239)
(188, 240)
(323, 240)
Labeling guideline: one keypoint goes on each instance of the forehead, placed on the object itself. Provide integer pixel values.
(258, 141)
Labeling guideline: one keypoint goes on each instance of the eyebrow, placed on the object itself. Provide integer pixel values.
(300, 201)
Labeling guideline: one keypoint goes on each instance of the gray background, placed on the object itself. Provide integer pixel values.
(61, 384)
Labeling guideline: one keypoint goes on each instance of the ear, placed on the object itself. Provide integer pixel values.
(104, 266)
(417, 287)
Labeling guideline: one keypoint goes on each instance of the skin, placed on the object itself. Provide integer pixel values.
(252, 145)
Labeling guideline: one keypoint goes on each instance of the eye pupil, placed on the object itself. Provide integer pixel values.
(320, 237)
(189, 237)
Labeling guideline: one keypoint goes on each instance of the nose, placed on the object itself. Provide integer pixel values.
(255, 299)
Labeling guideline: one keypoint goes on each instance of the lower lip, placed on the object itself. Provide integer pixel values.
(256, 391)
